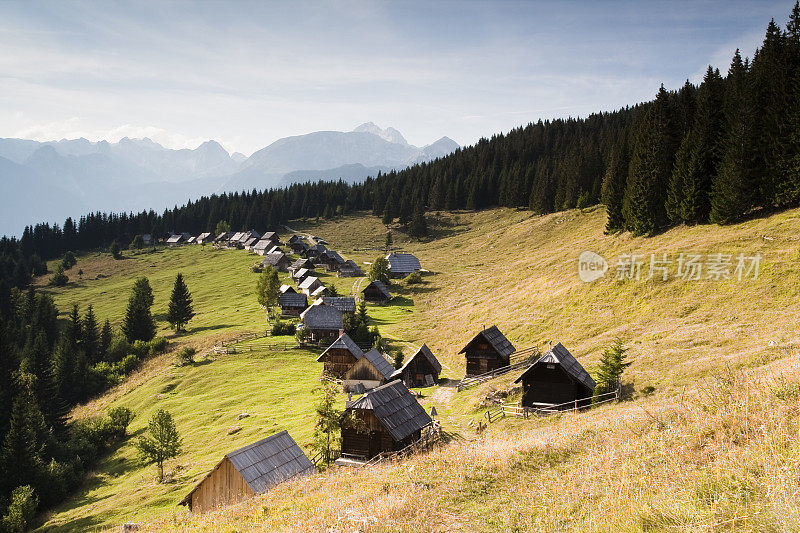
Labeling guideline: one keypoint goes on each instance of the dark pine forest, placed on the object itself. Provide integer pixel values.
(712, 153)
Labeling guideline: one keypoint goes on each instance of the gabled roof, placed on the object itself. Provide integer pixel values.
(559, 355)
(263, 244)
(378, 284)
(396, 409)
(308, 282)
(344, 342)
(286, 288)
(380, 363)
(174, 238)
(224, 236)
(319, 291)
(270, 236)
(494, 337)
(250, 234)
(330, 254)
(237, 235)
(273, 259)
(251, 241)
(266, 463)
(322, 317)
(295, 238)
(302, 263)
(345, 304)
(203, 237)
(403, 262)
(425, 352)
(292, 299)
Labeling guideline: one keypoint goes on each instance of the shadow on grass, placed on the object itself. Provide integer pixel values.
(207, 328)
(414, 289)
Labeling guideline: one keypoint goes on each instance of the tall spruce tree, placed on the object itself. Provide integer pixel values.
(614, 179)
(651, 165)
(734, 187)
(138, 323)
(180, 310)
(90, 336)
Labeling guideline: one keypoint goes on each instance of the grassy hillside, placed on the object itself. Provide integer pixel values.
(714, 447)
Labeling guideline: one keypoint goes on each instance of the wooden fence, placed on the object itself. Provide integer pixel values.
(430, 436)
(503, 410)
(518, 359)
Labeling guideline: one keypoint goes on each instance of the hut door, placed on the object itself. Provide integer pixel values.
(483, 366)
(374, 443)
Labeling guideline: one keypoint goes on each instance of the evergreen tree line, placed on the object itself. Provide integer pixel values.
(49, 365)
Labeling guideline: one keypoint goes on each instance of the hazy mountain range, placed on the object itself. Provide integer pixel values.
(48, 181)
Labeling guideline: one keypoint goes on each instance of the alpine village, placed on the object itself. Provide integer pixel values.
(583, 324)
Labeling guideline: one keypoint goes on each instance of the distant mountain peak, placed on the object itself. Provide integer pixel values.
(389, 134)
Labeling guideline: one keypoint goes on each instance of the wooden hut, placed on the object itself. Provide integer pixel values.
(204, 238)
(487, 351)
(277, 260)
(386, 419)
(309, 285)
(421, 370)
(299, 276)
(369, 372)
(345, 304)
(251, 470)
(349, 269)
(323, 321)
(299, 264)
(556, 379)
(340, 356)
(377, 292)
(402, 264)
(292, 303)
(286, 288)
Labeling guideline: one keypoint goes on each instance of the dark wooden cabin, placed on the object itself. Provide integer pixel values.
(369, 372)
(556, 378)
(487, 351)
(340, 356)
(324, 322)
(292, 303)
(376, 292)
(251, 470)
(402, 264)
(421, 370)
(300, 264)
(345, 304)
(386, 419)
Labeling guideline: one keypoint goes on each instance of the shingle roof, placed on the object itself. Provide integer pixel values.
(251, 241)
(302, 263)
(237, 235)
(494, 337)
(263, 244)
(295, 238)
(559, 355)
(378, 284)
(403, 262)
(308, 282)
(273, 259)
(344, 342)
(303, 272)
(397, 410)
(203, 237)
(322, 317)
(292, 299)
(174, 238)
(270, 235)
(266, 463)
(425, 352)
(286, 288)
(345, 304)
(319, 291)
(335, 256)
(380, 363)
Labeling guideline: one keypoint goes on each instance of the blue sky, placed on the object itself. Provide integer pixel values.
(248, 73)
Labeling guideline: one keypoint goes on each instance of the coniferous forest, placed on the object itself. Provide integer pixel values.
(716, 152)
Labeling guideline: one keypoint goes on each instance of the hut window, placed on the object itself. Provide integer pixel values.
(551, 366)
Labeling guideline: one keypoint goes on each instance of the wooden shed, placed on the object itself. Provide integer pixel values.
(323, 321)
(345, 304)
(340, 356)
(309, 285)
(292, 303)
(369, 372)
(421, 370)
(556, 379)
(301, 263)
(251, 470)
(376, 291)
(487, 351)
(277, 260)
(386, 419)
(402, 264)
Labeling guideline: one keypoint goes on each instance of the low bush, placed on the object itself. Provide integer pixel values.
(186, 356)
(283, 328)
(413, 278)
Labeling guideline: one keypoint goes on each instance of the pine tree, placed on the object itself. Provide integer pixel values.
(180, 310)
(614, 186)
(138, 322)
(681, 171)
(90, 336)
(651, 165)
(419, 226)
(734, 185)
(612, 364)
(22, 452)
(106, 336)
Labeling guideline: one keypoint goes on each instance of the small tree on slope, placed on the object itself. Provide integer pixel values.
(162, 443)
(612, 365)
(180, 305)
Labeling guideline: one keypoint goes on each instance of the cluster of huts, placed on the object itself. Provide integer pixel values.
(386, 416)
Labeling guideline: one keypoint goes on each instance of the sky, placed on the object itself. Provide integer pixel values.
(249, 73)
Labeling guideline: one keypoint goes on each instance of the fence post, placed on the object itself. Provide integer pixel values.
(575, 408)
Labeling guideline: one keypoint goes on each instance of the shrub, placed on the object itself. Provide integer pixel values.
(114, 249)
(129, 363)
(413, 278)
(158, 345)
(22, 510)
(398, 358)
(69, 260)
(283, 328)
(186, 356)
(119, 348)
(59, 279)
(120, 418)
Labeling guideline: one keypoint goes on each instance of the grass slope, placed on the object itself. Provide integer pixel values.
(714, 448)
